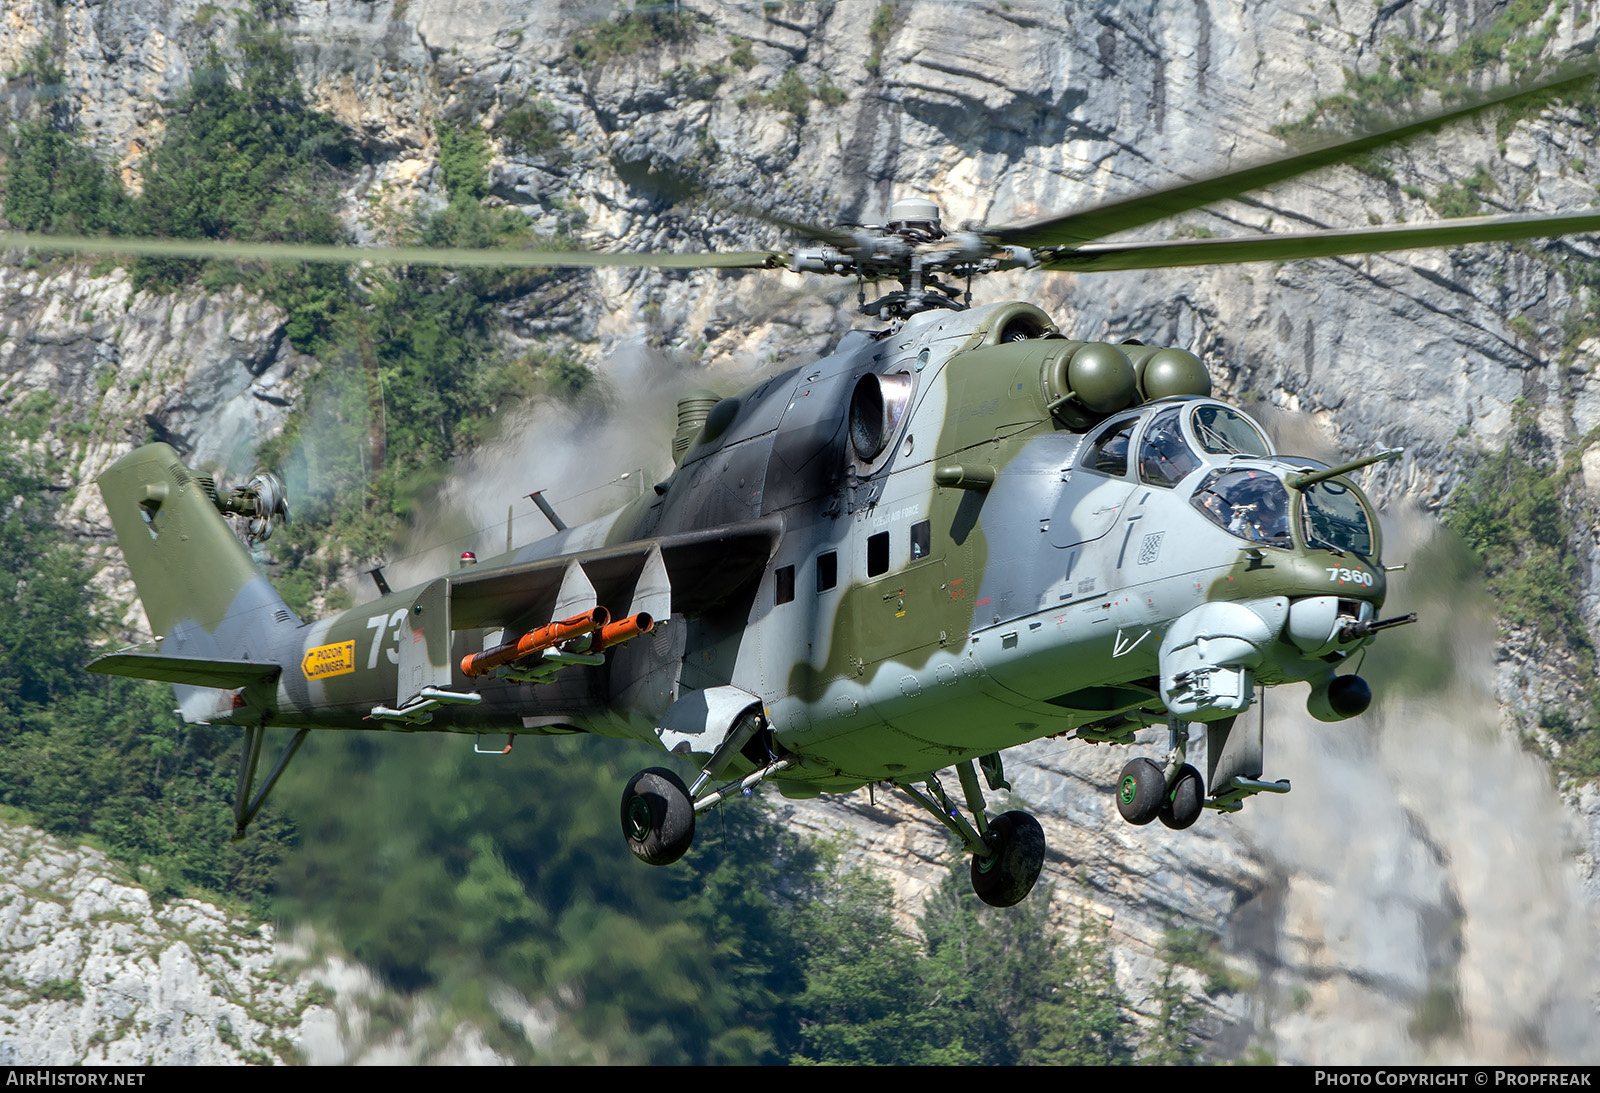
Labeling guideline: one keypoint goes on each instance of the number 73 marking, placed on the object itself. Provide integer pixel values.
(377, 624)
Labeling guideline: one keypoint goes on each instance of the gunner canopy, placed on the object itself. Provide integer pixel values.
(1254, 504)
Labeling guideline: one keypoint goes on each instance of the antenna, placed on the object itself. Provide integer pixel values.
(537, 497)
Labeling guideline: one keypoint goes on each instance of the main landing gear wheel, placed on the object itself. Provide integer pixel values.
(1141, 791)
(1007, 875)
(1183, 803)
(657, 816)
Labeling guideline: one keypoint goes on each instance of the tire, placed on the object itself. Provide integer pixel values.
(1141, 791)
(657, 816)
(1182, 805)
(1005, 877)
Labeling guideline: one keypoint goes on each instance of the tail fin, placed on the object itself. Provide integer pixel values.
(201, 590)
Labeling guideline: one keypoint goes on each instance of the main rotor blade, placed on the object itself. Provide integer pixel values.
(837, 237)
(1103, 257)
(384, 256)
(1115, 216)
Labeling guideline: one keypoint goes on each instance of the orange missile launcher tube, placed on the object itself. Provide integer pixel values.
(534, 641)
(615, 633)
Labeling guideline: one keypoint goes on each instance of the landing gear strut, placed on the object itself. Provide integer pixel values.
(1007, 851)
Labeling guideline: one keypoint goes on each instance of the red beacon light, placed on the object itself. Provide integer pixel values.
(468, 558)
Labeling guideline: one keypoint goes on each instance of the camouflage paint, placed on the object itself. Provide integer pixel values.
(1039, 607)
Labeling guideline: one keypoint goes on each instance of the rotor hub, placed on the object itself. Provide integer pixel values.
(913, 248)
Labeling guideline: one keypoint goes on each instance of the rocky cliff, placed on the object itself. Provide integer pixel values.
(1424, 893)
(93, 975)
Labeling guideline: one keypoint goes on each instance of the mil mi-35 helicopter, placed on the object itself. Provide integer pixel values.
(961, 531)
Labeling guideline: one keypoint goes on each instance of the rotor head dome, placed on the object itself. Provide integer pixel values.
(913, 210)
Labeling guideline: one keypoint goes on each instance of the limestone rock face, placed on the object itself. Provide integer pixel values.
(90, 369)
(91, 974)
(1423, 893)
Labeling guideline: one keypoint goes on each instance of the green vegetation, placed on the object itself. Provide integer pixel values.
(529, 129)
(416, 378)
(1465, 199)
(1408, 70)
(752, 951)
(1576, 742)
(1172, 1041)
(59, 990)
(249, 160)
(1438, 1013)
(1201, 950)
(1018, 989)
(878, 35)
(994, 988)
(1511, 511)
(1518, 513)
(794, 96)
(643, 28)
(1580, 324)
(52, 182)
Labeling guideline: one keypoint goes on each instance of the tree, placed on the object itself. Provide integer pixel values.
(866, 999)
(1017, 990)
(1083, 1020)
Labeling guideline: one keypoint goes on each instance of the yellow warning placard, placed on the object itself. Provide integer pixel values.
(329, 660)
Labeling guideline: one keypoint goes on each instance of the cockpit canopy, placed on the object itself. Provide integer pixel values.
(1177, 438)
(1251, 502)
(1334, 516)
(1255, 504)
(1242, 489)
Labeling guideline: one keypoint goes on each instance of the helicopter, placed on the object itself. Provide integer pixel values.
(960, 531)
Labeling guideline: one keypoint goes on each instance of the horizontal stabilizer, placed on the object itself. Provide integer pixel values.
(194, 671)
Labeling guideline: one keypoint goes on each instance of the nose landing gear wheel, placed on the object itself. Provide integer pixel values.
(1184, 802)
(1141, 791)
(1007, 875)
(657, 816)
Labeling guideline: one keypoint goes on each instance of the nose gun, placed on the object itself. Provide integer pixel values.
(1353, 631)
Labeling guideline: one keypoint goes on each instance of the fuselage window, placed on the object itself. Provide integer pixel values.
(1109, 454)
(921, 540)
(827, 570)
(878, 554)
(785, 588)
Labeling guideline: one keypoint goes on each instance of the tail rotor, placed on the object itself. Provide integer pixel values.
(263, 503)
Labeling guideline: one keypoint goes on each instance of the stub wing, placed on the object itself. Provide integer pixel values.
(696, 571)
